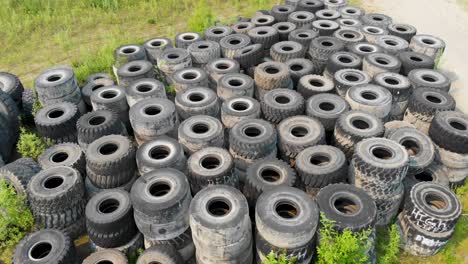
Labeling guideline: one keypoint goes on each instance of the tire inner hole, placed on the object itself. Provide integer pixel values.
(235, 82)
(262, 32)
(429, 78)
(60, 157)
(377, 18)
(369, 95)
(435, 201)
(110, 262)
(392, 81)
(360, 124)
(424, 177)
(428, 41)
(287, 210)
(271, 70)
(128, 50)
(391, 42)
(382, 61)
(327, 43)
(349, 35)
(196, 97)
(94, 88)
(40, 250)
(433, 99)
(303, 35)
(188, 37)
(234, 42)
(55, 114)
(210, 163)
(262, 20)
(53, 182)
(240, 106)
(301, 17)
(326, 106)
(108, 94)
(345, 59)
(299, 131)
(97, 120)
(222, 66)
(325, 25)
(382, 153)
(346, 206)
(319, 160)
(156, 43)
(373, 30)
(159, 152)
(401, 29)
(218, 31)
(270, 175)
(458, 125)
(173, 56)
(296, 67)
(108, 149)
(282, 99)
(152, 110)
(411, 147)
(189, 76)
(351, 78)
(414, 58)
(283, 28)
(287, 48)
(134, 68)
(144, 88)
(316, 83)
(54, 78)
(366, 49)
(252, 132)
(200, 128)
(203, 46)
(219, 207)
(159, 189)
(108, 206)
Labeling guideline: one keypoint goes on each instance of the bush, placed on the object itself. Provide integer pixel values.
(15, 220)
(30, 144)
(388, 245)
(275, 258)
(342, 247)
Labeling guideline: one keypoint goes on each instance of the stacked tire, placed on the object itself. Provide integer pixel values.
(18, 174)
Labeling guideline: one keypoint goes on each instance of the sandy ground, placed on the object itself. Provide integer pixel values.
(445, 19)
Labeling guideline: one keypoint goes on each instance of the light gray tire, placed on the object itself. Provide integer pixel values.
(326, 108)
(204, 51)
(216, 33)
(163, 152)
(351, 12)
(378, 20)
(299, 68)
(279, 104)
(371, 33)
(363, 49)
(347, 78)
(310, 85)
(218, 68)
(55, 82)
(235, 84)
(325, 27)
(327, 14)
(303, 36)
(242, 27)
(197, 101)
(376, 63)
(134, 70)
(238, 108)
(392, 44)
(421, 78)
(371, 98)
(161, 253)
(271, 75)
(189, 77)
(144, 88)
(284, 29)
(404, 31)
(349, 36)
(286, 50)
(431, 46)
(199, 132)
(231, 43)
(155, 46)
(66, 154)
(183, 40)
(173, 59)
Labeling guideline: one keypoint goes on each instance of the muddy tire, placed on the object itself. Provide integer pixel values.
(370, 98)
(66, 154)
(279, 104)
(144, 88)
(199, 132)
(238, 108)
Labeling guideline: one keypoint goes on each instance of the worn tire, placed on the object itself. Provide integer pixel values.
(347, 78)
(310, 85)
(65, 154)
(326, 108)
(448, 130)
(279, 104)
(161, 253)
(109, 255)
(238, 108)
(144, 88)
(235, 84)
(58, 122)
(411, 60)
(97, 124)
(429, 78)
(371, 98)
(199, 132)
(253, 138)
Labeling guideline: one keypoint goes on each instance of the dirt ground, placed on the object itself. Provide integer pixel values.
(446, 19)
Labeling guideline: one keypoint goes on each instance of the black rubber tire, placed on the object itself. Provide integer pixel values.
(371, 98)
(18, 176)
(349, 206)
(65, 154)
(92, 189)
(281, 12)
(327, 14)
(238, 108)
(310, 5)
(429, 78)
(347, 78)
(161, 217)
(319, 166)
(404, 31)
(97, 124)
(419, 242)
(266, 36)
(299, 68)
(302, 19)
(134, 70)
(57, 122)
(262, 20)
(286, 50)
(377, 20)
(155, 46)
(110, 161)
(44, 195)
(199, 132)
(297, 133)
(109, 218)
(218, 68)
(433, 207)
(266, 174)
(398, 85)
(347, 132)
(376, 63)
(286, 219)
(174, 59)
(197, 101)
(362, 49)
(160, 253)
(11, 85)
(144, 88)
(216, 33)
(211, 166)
(349, 36)
(326, 108)
(378, 165)
(230, 44)
(153, 117)
(284, 29)
(325, 28)
(352, 12)
(413, 60)
(187, 78)
(392, 44)
(249, 56)
(110, 255)
(64, 220)
(112, 98)
(419, 147)
(182, 243)
(29, 250)
(28, 99)
(235, 84)
(253, 147)
(432, 46)
(343, 60)
(425, 103)
(128, 53)
(448, 130)
(54, 83)
(310, 85)
(320, 50)
(279, 104)
(303, 36)
(183, 40)
(242, 27)
(93, 85)
(203, 52)
(271, 75)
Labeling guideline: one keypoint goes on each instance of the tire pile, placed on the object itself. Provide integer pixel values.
(311, 107)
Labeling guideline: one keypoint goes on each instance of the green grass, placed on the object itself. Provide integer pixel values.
(463, 4)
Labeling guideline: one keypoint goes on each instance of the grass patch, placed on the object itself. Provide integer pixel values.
(16, 220)
(276, 258)
(388, 245)
(30, 144)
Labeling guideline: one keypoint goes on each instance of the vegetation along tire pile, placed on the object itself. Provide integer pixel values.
(296, 135)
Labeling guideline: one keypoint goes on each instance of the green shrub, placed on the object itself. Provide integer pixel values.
(30, 144)
(202, 17)
(388, 245)
(342, 247)
(275, 258)
(15, 220)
